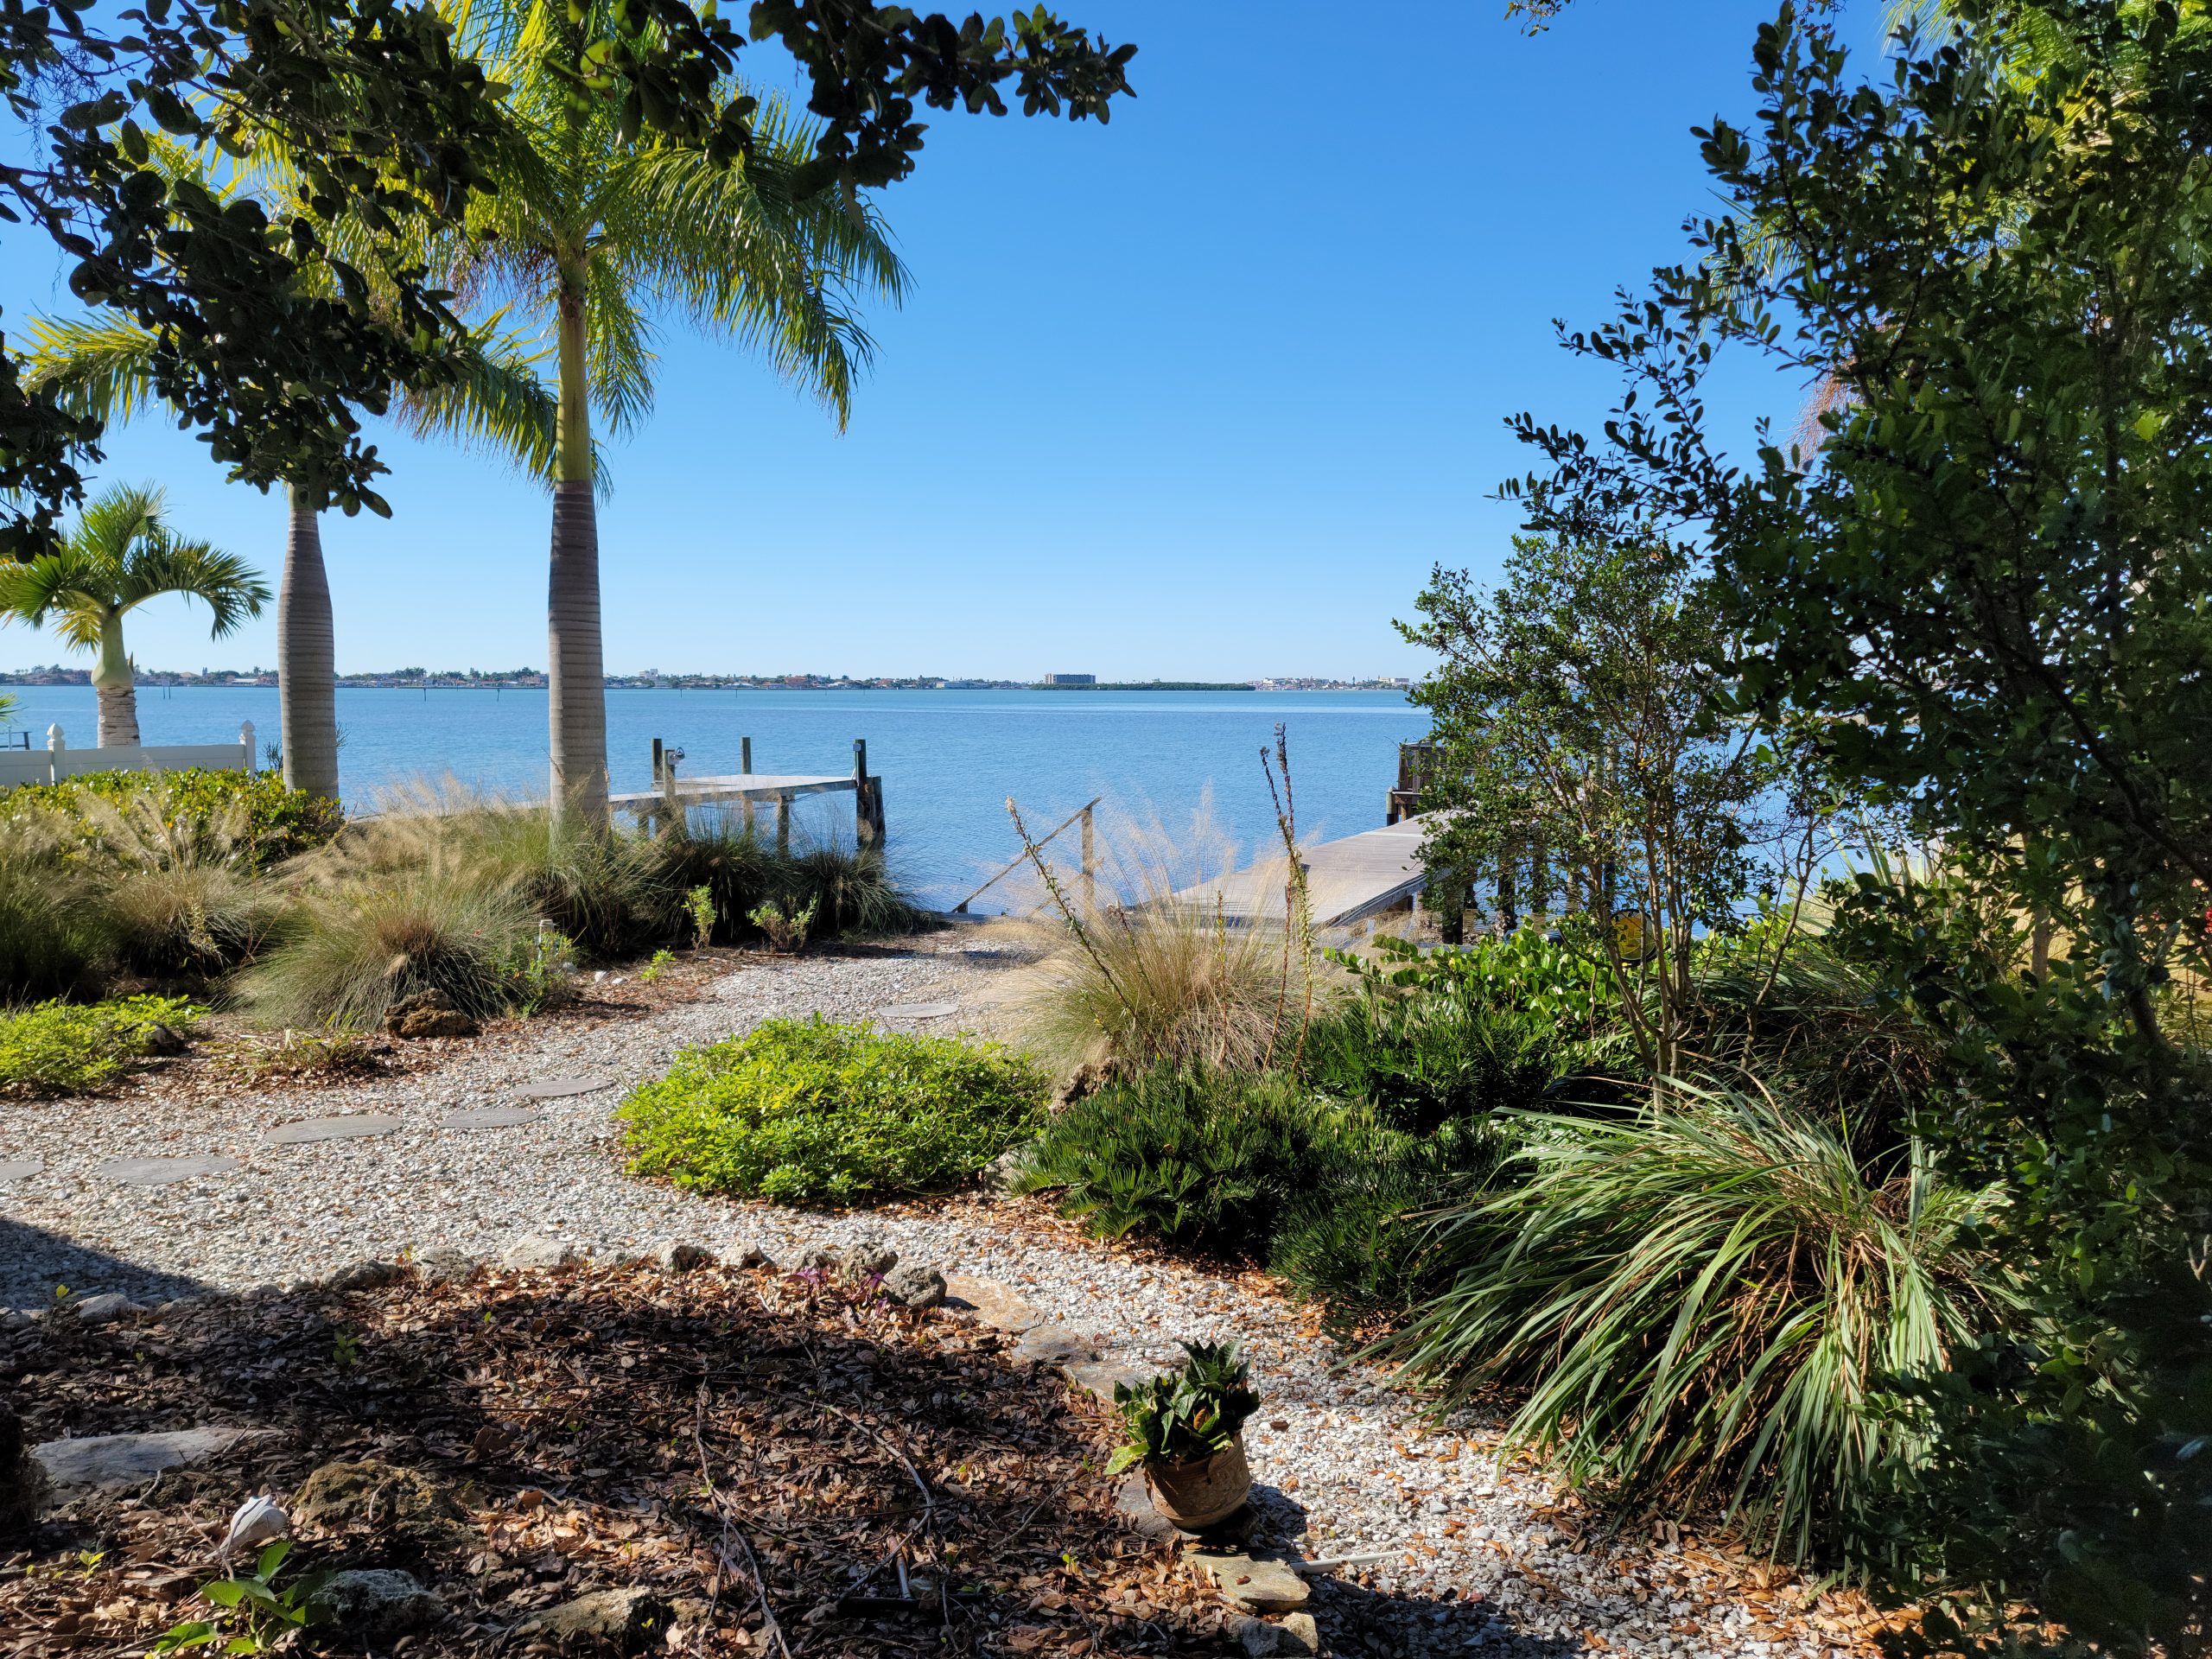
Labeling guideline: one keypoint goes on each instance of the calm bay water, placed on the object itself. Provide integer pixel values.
(947, 759)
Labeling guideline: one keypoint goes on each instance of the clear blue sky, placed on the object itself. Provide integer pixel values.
(1205, 392)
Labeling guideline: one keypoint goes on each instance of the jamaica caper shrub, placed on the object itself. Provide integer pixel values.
(809, 1112)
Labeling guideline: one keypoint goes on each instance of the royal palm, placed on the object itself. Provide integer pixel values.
(601, 236)
(119, 554)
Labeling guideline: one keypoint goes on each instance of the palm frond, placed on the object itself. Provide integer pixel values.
(63, 588)
(101, 364)
(499, 403)
(164, 563)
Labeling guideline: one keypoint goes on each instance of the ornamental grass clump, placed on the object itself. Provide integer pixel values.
(809, 1112)
(1705, 1299)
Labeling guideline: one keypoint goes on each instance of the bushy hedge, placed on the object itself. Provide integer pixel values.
(811, 1112)
(63, 1048)
(277, 822)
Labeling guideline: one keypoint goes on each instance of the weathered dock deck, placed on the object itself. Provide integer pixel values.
(1346, 881)
(748, 789)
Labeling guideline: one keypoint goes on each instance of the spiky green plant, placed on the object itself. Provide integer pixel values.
(1701, 1302)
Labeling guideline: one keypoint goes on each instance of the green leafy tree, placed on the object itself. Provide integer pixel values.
(1583, 739)
(119, 554)
(1982, 586)
(598, 236)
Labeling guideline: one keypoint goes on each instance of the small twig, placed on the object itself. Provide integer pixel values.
(770, 1626)
(928, 1501)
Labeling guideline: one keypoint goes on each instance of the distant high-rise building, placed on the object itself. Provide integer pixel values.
(1071, 679)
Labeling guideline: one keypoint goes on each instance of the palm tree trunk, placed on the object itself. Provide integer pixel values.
(118, 694)
(575, 671)
(306, 697)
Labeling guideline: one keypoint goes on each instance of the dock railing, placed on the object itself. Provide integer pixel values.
(1086, 815)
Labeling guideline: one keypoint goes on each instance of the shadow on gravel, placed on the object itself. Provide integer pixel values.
(33, 1261)
(1357, 1620)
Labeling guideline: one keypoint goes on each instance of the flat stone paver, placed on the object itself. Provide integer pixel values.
(489, 1117)
(161, 1172)
(351, 1126)
(560, 1087)
(918, 1011)
(98, 1463)
(991, 1302)
(17, 1169)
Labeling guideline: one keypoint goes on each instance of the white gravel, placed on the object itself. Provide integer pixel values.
(1355, 1466)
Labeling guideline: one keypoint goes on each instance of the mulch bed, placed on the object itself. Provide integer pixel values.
(763, 1451)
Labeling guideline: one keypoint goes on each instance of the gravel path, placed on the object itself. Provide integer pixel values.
(1475, 1555)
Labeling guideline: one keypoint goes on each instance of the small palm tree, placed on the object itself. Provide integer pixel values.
(119, 554)
(597, 236)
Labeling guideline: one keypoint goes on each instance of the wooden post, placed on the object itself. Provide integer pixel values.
(783, 823)
(656, 762)
(744, 766)
(863, 823)
(1090, 868)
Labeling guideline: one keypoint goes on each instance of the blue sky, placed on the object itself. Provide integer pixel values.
(1205, 392)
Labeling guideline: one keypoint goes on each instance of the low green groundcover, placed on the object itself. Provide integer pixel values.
(809, 1112)
(71, 1048)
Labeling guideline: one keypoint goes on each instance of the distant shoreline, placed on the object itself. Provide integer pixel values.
(669, 682)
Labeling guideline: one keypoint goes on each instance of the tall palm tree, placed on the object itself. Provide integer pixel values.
(600, 236)
(102, 364)
(119, 554)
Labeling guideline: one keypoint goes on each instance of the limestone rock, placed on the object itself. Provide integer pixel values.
(534, 1252)
(629, 1620)
(364, 1275)
(1132, 1502)
(164, 1041)
(106, 1463)
(374, 1603)
(993, 1303)
(428, 1013)
(103, 1309)
(22, 1479)
(679, 1257)
(1055, 1344)
(1088, 1079)
(815, 1258)
(1098, 1377)
(1298, 1633)
(1000, 1174)
(1265, 1583)
(369, 1493)
(912, 1286)
(870, 1258)
(442, 1264)
(749, 1255)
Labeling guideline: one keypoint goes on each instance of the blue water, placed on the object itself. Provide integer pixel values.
(947, 759)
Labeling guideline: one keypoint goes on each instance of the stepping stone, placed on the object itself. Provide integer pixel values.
(351, 1126)
(20, 1168)
(101, 1463)
(918, 1011)
(161, 1172)
(1262, 1583)
(1055, 1344)
(1098, 1377)
(489, 1117)
(560, 1087)
(991, 1302)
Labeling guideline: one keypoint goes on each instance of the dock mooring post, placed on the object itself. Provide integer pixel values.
(783, 823)
(1090, 866)
(744, 766)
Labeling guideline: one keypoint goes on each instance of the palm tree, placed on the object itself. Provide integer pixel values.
(598, 236)
(119, 556)
(102, 365)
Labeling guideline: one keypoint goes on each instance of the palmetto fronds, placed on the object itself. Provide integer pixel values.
(1705, 1299)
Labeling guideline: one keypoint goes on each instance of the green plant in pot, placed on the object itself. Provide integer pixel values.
(1186, 1432)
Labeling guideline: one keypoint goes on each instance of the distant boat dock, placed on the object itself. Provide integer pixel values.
(748, 790)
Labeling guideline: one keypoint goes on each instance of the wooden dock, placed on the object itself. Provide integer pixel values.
(1346, 881)
(749, 790)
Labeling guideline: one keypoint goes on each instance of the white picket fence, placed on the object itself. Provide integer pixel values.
(58, 761)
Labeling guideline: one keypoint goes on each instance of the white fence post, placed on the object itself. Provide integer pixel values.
(53, 738)
(245, 736)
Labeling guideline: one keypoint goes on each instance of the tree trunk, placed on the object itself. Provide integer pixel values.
(118, 693)
(306, 697)
(575, 671)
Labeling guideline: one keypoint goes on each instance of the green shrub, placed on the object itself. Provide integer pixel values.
(1361, 1240)
(65, 1048)
(277, 822)
(1706, 1298)
(1524, 972)
(1423, 1058)
(352, 952)
(1207, 1160)
(816, 1112)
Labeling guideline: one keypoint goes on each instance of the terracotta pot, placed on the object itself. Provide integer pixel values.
(1203, 1493)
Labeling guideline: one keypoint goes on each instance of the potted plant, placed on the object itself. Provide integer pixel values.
(1186, 1432)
